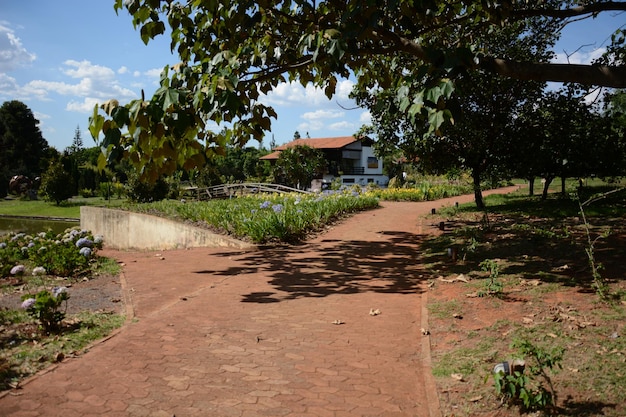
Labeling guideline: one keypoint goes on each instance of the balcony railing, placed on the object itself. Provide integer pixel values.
(353, 170)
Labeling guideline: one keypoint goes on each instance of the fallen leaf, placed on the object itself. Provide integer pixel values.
(457, 316)
(552, 335)
(374, 312)
(476, 399)
(527, 320)
(458, 377)
(338, 322)
(425, 332)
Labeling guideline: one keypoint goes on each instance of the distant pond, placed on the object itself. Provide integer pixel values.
(32, 225)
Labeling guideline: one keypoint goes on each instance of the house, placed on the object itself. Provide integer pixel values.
(350, 159)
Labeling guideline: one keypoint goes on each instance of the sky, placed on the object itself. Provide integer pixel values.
(62, 57)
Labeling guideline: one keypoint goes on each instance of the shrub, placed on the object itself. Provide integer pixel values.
(45, 305)
(86, 193)
(58, 254)
(56, 183)
(142, 192)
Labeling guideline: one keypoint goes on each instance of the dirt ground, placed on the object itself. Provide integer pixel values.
(100, 293)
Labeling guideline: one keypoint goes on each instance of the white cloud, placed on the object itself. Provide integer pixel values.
(154, 73)
(86, 106)
(322, 114)
(12, 54)
(366, 118)
(294, 94)
(122, 70)
(87, 69)
(342, 126)
(8, 86)
(344, 88)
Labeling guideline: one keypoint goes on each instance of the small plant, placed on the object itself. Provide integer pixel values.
(45, 307)
(530, 386)
(599, 283)
(86, 192)
(493, 286)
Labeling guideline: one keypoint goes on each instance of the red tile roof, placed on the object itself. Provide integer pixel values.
(317, 143)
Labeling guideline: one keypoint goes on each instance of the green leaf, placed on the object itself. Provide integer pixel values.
(96, 121)
(171, 98)
(150, 30)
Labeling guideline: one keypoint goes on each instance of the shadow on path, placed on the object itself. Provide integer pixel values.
(332, 267)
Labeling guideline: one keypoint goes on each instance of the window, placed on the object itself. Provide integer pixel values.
(348, 180)
(372, 162)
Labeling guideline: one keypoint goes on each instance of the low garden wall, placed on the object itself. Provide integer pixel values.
(126, 230)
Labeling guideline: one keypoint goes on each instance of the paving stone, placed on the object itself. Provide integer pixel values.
(226, 351)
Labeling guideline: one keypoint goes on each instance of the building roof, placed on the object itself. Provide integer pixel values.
(317, 143)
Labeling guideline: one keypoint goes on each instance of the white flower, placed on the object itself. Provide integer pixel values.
(39, 270)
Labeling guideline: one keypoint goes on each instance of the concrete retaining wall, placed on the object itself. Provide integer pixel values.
(126, 230)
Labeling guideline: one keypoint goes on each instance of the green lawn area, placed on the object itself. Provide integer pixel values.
(40, 208)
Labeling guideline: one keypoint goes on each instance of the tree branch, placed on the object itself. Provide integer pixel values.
(573, 12)
(601, 75)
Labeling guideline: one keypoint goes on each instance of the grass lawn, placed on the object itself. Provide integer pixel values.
(40, 208)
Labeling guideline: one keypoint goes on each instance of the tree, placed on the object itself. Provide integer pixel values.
(485, 108)
(297, 166)
(56, 183)
(23, 149)
(232, 53)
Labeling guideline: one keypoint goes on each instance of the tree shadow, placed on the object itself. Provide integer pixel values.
(330, 267)
(584, 408)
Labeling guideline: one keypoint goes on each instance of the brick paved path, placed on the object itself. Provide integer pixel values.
(223, 333)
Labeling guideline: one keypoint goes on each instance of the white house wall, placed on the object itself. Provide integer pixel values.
(366, 153)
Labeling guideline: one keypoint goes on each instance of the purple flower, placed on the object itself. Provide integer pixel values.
(277, 208)
(17, 270)
(83, 242)
(28, 303)
(266, 204)
(3, 245)
(85, 251)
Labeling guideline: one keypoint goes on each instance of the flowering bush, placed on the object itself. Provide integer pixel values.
(45, 305)
(62, 254)
(268, 217)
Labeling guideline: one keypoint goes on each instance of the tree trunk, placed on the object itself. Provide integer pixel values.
(563, 185)
(531, 186)
(478, 192)
(544, 195)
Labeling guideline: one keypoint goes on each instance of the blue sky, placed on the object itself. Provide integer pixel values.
(62, 57)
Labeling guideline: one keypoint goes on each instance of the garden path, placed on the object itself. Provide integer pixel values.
(217, 332)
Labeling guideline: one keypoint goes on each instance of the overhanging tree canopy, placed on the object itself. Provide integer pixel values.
(232, 52)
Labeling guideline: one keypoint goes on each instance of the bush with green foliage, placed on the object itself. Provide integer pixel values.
(298, 166)
(142, 192)
(57, 183)
(45, 307)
